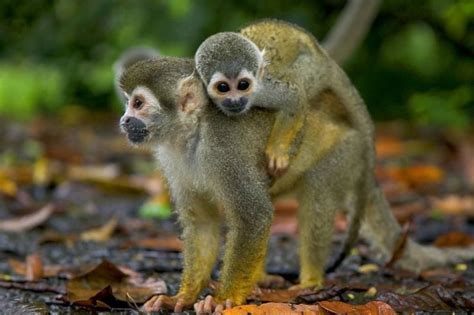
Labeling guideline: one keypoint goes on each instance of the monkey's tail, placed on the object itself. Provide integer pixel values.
(382, 231)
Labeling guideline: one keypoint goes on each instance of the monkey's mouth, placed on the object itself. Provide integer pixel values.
(135, 129)
(137, 136)
(234, 107)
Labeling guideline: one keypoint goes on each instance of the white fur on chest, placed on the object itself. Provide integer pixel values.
(183, 171)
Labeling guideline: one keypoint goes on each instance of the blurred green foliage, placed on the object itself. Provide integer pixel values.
(417, 61)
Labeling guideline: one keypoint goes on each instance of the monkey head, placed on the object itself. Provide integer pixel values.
(231, 67)
(151, 108)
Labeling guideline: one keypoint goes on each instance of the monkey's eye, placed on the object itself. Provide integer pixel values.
(138, 103)
(223, 87)
(243, 85)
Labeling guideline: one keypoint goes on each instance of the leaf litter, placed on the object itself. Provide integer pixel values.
(85, 178)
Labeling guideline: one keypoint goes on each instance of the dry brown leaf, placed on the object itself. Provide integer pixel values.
(454, 239)
(27, 222)
(34, 267)
(100, 234)
(20, 268)
(453, 204)
(169, 243)
(417, 175)
(123, 282)
(404, 213)
(371, 308)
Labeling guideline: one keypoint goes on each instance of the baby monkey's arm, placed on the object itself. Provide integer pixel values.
(285, 98)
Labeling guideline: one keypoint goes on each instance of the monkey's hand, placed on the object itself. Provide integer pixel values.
(211, 305)
(278, 160)
(160, 302)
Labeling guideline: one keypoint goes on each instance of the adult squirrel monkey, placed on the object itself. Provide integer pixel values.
(212, 160)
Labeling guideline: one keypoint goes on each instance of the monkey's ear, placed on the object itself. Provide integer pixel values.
(191, 94)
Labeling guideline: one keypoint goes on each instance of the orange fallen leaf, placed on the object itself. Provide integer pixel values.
(417, 175)
(27, 222)
(34, 267)
(274, 308)
(169, 243)
(323, 308)
(387, 146)
(454, 239)
(453, 204)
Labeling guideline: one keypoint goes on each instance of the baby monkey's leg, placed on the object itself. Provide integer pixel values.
(201, 229)
(290, 103)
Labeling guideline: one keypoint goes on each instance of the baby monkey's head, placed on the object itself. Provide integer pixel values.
(231, 67)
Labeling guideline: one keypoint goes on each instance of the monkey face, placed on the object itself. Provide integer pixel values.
(234, 95)
(142, 117)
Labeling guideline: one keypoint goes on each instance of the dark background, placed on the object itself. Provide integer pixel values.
(416, 62)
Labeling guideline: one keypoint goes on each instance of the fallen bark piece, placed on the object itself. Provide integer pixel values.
(429, 299)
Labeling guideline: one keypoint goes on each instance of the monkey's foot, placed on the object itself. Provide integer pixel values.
(278, 161)
(161, 302)
(306, 285)
(269, 281)
(211, 305)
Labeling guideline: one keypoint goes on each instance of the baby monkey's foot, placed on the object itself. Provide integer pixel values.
(278, 161)
(211, 305)
(163, 302)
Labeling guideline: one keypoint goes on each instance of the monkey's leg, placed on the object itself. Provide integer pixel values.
(321, 192)
(315, 220)
(285, 129)
(290, 102)
(249, 213)
(201, 244)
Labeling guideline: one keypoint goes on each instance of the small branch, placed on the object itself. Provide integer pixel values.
(350, 28)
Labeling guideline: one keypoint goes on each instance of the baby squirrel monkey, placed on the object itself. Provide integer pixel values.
(276, 65)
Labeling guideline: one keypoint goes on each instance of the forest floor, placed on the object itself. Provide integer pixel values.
(76, 234)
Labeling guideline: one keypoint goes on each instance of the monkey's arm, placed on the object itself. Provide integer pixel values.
(200, 221)
(288, 100)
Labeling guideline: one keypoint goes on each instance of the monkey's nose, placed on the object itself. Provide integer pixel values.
(125, 120)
